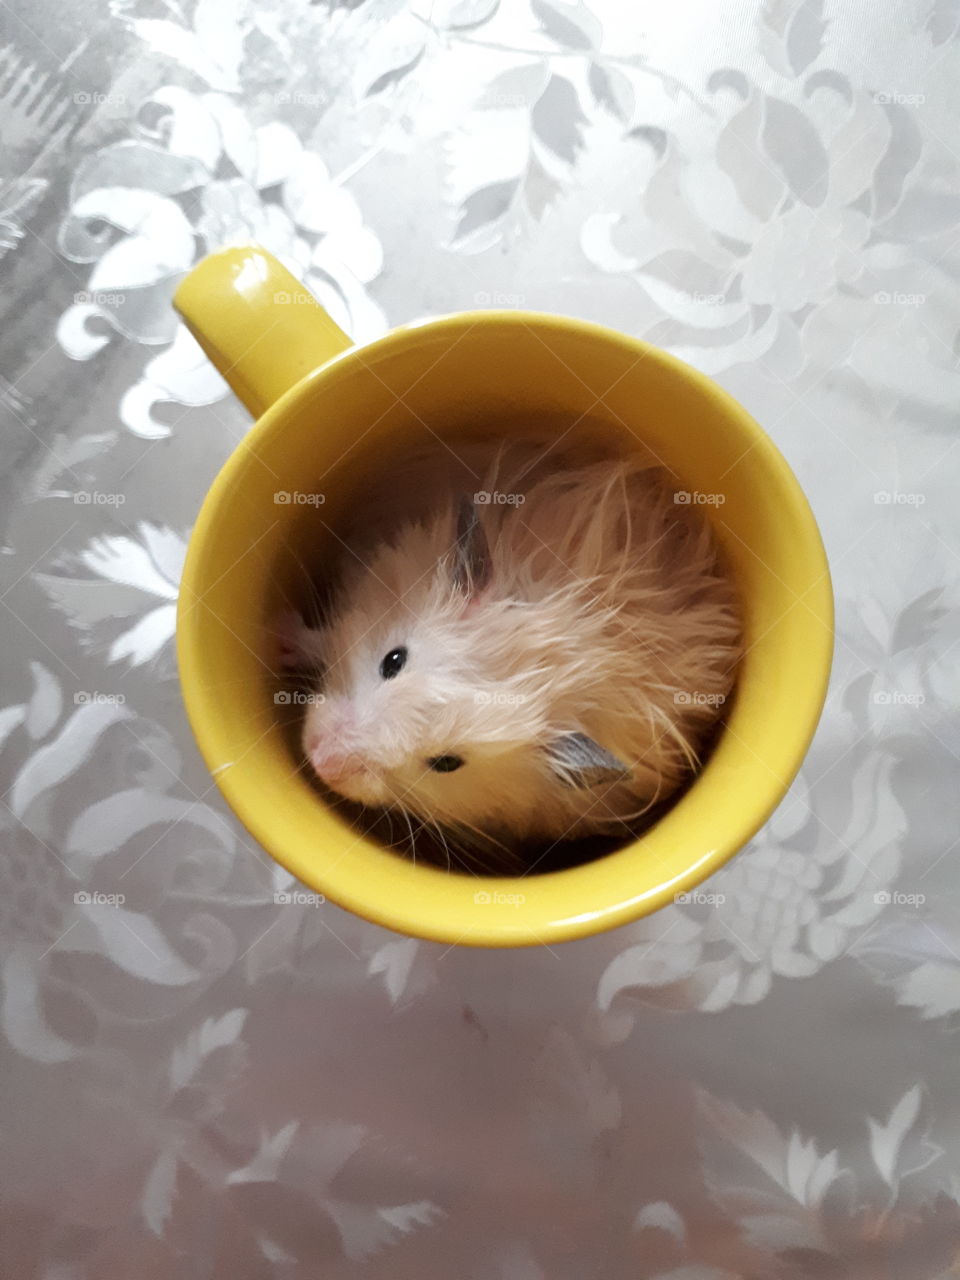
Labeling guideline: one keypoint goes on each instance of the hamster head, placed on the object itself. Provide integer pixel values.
(429, 701)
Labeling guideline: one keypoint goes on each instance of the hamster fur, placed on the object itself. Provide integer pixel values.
(570, 643)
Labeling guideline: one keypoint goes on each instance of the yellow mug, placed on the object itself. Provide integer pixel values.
(326, 409)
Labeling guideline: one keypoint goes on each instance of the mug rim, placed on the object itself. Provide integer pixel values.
(495, 928)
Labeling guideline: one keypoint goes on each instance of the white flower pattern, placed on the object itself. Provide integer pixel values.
(315, 228)
(132, 573)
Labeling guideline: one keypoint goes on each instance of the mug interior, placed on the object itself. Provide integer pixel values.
(276, 505)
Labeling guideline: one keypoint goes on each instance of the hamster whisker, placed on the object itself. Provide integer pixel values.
(388, 814)
(432, 822)
(483, 845)
(413, 839)
(424, 825)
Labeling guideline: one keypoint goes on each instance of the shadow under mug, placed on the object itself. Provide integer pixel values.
(328, 411)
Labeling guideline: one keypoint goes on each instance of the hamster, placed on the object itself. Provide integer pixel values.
(544, 659)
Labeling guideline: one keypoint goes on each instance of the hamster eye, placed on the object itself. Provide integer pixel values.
(393, 663)
(445, 764)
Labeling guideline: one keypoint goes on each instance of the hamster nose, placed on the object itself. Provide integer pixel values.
(334, 766)
(336, 775)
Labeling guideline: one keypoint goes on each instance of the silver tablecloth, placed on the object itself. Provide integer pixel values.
(202, 1082)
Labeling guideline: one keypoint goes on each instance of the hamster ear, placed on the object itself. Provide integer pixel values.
(581, 762)
(472, 566)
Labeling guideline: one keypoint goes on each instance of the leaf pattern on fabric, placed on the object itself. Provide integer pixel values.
(65, 891)
(204, 141)
(132, 573)
(781, 908)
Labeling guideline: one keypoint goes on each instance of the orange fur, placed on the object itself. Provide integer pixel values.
(607, 613)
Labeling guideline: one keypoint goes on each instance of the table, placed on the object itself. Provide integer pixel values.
(200, 1081)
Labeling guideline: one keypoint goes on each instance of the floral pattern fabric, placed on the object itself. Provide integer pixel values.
(208, 1071)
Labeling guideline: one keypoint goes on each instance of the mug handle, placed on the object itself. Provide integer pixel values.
(257, 323)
